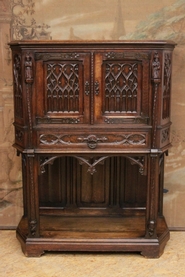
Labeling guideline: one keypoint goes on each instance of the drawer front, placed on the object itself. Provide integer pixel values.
(98, 141)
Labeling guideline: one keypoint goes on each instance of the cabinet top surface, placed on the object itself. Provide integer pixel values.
(94, 43)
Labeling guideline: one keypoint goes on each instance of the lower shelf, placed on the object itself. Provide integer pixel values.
(93, 234)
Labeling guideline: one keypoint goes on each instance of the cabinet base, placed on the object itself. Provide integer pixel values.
(93, 234)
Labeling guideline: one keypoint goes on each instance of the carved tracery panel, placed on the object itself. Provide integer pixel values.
(63, 88)
(121, 87)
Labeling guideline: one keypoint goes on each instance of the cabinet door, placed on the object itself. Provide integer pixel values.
(62, 87)
(121, 87)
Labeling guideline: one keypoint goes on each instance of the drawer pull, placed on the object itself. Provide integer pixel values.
(92, 140)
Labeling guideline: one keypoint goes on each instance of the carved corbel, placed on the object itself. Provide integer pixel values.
(141, 162)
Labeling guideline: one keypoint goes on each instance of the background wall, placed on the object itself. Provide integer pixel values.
(99, 20)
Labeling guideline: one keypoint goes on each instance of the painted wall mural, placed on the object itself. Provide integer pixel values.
(87, 20)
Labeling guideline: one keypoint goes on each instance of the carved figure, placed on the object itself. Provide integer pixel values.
(28, 69)
(156, 66)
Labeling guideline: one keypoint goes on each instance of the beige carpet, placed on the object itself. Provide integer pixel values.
(14, 264)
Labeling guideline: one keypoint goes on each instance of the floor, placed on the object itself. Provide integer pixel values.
(14, 264)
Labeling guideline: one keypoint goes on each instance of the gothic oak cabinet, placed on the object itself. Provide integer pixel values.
(92, 125)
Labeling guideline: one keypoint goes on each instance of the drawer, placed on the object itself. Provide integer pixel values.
(97, 141)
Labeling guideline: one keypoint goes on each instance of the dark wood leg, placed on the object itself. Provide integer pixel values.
(152, 197)
(32, 194)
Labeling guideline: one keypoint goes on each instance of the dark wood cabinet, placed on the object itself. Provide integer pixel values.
(92, 125)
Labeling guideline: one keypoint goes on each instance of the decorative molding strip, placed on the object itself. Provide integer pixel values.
(133, 120)
(66, 120)
(127, 55)
(56, 56)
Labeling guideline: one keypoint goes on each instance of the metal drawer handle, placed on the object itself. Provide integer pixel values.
(92, 140)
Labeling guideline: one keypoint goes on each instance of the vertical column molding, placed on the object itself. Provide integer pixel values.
(152, 196)
(92, 88)
(32, 193)
(28, 75)
(156, 80)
